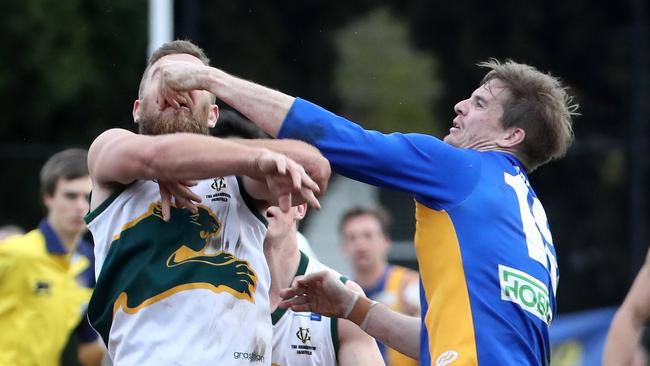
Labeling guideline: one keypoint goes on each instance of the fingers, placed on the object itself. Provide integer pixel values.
(186, 99)
(298, 301)
(310, 197)
(166, 201)
(181, 189)
(281, 164)
(294, 290)
(301, 307)
(181, 195)
(189, 183)
(284, 202)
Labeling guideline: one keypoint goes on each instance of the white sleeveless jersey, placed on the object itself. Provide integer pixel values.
(191, 291)
(302, 338)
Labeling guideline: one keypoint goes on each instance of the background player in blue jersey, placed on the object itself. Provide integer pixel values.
(365, 242)
(488, 268)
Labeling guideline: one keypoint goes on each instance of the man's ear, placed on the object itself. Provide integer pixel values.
(47, 200)
(301, 211)
(213, 115)
(514, 136)
(136, 111)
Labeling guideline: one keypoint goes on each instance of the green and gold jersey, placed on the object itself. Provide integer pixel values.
(191, 291)
(305, 338)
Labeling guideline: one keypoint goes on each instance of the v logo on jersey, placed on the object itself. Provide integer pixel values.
(303, 334)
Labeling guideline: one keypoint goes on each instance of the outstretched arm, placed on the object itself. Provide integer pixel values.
(420, 164)
(628, 323)
(356, 348)
(264, 106)
(323, 293)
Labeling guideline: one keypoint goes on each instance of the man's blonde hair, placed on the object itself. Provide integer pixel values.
(540, 105)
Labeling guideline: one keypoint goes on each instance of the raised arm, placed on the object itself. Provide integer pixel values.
(119, 157)
(629, 321)
(323, 293)
(434, 171)
(264, 106)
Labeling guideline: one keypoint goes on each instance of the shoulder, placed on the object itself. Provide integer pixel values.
(19, 247)
(107, 137)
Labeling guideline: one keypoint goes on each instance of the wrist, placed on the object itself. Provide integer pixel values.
(358, 312)
(215, 82)
(256, 165)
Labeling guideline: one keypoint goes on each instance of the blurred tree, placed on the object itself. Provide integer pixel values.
(381, 80)
(68, 71)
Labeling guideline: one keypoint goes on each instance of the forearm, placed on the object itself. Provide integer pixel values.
(396, 330)
(304, 154)
(629, 321)
(622, 339)
(264, 106)
(175, 157)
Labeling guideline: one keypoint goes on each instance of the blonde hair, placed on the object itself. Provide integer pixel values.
(540, 105)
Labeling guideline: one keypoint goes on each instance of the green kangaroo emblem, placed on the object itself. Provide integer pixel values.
(150, 260)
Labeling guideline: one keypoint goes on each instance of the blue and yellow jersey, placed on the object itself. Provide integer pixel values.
(389, 291)
(488, 268)
(44, 292)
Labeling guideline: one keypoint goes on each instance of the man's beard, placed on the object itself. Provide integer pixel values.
(183, 120)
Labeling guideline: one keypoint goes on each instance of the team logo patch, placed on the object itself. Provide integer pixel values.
(303, 335)
(526, 291)
(447, 358)
(218, 185)
(303, 349)
(42, 288)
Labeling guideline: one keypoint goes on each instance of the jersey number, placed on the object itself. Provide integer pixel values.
(533, 217)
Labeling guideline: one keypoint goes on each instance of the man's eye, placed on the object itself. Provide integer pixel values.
(70, 196)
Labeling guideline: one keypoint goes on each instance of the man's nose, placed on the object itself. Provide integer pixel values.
(461, 107)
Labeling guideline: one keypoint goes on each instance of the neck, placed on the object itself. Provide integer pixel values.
(283, 260)
(368, 277)
(69, 241)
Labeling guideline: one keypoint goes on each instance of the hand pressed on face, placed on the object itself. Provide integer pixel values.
(177, 79)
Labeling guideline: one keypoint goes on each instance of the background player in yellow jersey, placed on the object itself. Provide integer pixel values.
(365, 241)
(46, 275)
